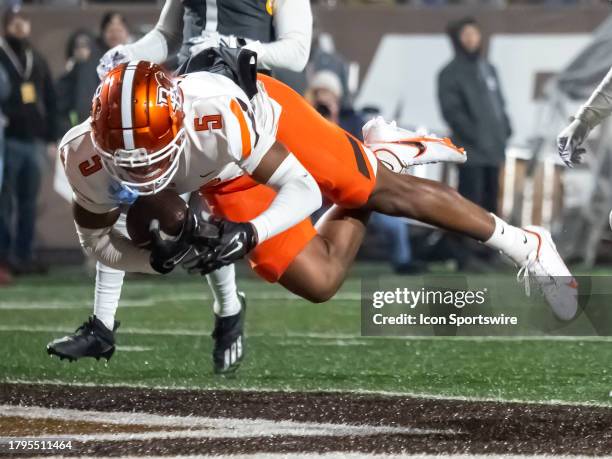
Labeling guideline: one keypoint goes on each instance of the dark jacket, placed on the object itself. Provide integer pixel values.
(75, 90)
(473, 107)
(5, 84)
(35, 120)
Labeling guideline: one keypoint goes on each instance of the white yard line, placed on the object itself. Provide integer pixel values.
(35, 305)
(201, 427)
(307, 335)
(134, 348)
(399, 394)
(204, 296)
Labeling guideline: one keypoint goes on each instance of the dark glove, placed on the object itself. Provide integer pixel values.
(233, 242)
(167, 252)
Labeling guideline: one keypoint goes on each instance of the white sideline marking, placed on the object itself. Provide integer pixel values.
(384, 393)
(327, 342)
(202, 427)
(204, 296)
(134, 348)
(309, 335)
(34, 305)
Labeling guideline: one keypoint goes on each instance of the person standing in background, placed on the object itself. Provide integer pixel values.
(472, 104)
(325, 93)
(79, 82)
(114, 31)
(31, 130)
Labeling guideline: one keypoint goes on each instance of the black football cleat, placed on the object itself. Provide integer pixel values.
(228, 336)
(92, 339)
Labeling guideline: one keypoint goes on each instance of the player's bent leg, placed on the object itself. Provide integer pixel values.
(319, 270)
(308, 262)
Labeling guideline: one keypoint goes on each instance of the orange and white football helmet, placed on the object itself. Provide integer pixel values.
(137, 126)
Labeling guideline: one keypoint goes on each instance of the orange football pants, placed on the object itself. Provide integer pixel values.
(335, 159)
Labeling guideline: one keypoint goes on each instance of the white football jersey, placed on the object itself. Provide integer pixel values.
(227, 136)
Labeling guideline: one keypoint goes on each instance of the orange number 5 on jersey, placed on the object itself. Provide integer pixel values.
(208, 122)
(91, 166)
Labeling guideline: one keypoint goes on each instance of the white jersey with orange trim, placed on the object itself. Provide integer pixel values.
(227, 136)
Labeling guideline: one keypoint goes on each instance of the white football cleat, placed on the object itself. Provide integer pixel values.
(398, 149)
(551, 274)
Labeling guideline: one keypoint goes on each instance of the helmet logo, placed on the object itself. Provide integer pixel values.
(166, 89)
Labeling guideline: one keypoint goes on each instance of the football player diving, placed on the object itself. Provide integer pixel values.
(262, 161)
(280, 32)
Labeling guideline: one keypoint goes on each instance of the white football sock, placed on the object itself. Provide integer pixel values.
(223, 285)
(108, 291)
(513, 242)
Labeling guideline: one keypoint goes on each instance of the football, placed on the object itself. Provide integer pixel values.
(165, 206)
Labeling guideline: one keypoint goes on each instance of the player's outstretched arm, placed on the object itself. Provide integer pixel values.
(597, 108)
(155, 46)
(107, 245)
(298, 196)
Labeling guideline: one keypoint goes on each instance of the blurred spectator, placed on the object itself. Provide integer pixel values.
(31, 113)
(471, 102)
(114, 31)
(77, 85)
(397, 233)
(323, 56)
(5, 89)
(325, 94)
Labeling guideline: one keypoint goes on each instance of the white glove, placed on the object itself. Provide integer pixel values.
(257, 47)
(112, 58)
(570, 140)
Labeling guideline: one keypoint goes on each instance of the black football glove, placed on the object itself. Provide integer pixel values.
(168, 251)
(233, 242)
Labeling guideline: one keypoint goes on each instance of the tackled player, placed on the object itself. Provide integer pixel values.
(280, 32)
